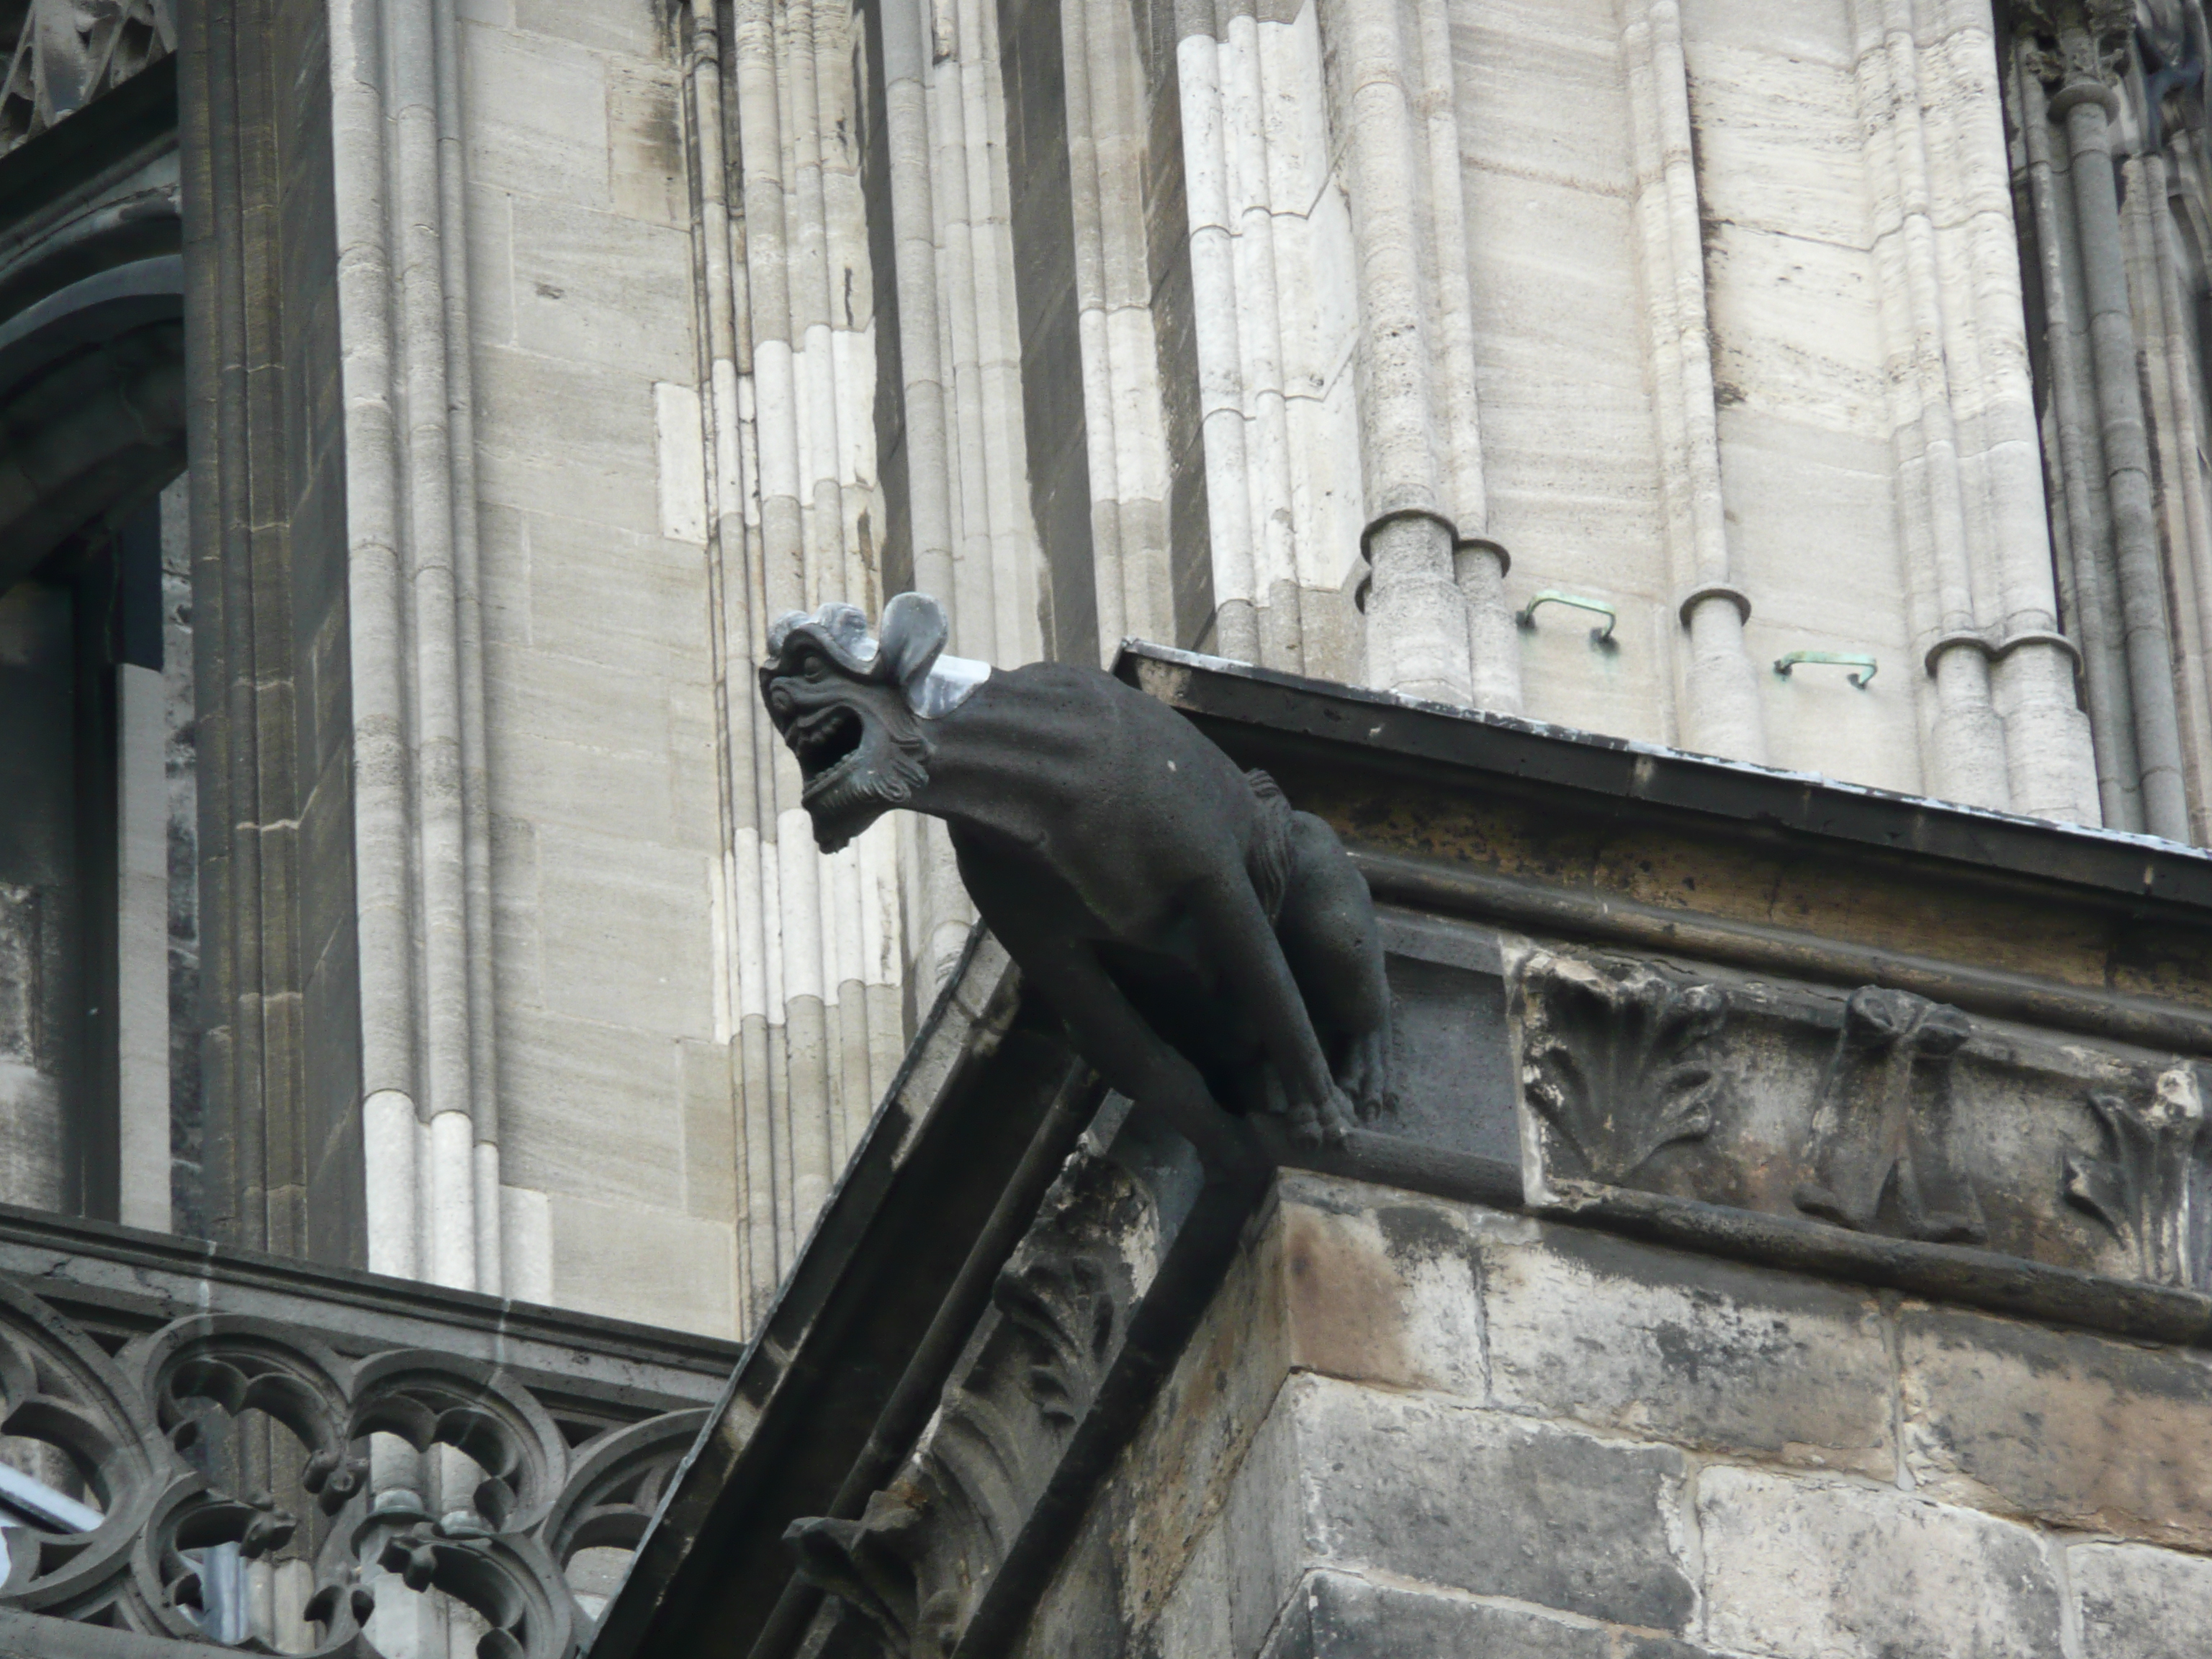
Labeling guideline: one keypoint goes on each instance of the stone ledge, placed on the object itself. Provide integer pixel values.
(1334, 1615)
(1948, 1273)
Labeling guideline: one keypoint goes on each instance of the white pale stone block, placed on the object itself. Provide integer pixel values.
(625, 937)
(537, 115)
(603, 1118)
(681, 448)
(388, 1137)
(615, 1260)
(1852, 1572)
(526, 1237)
(600, 288)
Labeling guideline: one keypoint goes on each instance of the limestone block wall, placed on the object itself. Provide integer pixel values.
(1412, 1427)
(614, 1101)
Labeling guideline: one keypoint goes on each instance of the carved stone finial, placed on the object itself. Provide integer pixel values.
(1613, 1061)
(2143, 1189)
(1880, 1150)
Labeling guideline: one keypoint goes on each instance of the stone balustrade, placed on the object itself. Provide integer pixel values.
(209, 1445)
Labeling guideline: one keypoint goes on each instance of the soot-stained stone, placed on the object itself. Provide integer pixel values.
(1658, 1342)
(1487, 1503)
(1337, 1616)
(1848, 1572)
(2071, 1428)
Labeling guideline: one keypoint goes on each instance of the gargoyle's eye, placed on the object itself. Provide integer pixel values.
(815, 668)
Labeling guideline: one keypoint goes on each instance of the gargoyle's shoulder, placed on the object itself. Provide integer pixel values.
(1073, 686)
(1070, 706)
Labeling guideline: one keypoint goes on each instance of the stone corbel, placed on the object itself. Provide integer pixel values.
(1879, 1156)
(1118, 1264)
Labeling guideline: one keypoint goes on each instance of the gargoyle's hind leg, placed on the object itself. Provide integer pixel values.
(1326, 926)
(1122, 1044)
(1258, 975)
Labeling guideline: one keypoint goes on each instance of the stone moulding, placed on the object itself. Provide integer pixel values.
(151, 1405)
(1879, 1112)
(1882, 1120)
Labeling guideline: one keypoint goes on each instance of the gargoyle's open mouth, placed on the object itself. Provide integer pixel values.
(826, 743)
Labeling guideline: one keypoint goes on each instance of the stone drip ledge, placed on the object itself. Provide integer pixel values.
(1943, 1273)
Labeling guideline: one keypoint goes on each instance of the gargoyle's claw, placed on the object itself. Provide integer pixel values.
(1365, 1075)
(1335, 1116)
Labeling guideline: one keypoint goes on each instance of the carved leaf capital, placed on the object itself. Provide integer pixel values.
(1613, 1061)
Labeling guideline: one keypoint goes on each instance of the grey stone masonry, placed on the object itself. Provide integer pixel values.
(1418, 1427)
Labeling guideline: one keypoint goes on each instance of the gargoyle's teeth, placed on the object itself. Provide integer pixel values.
(827, 738)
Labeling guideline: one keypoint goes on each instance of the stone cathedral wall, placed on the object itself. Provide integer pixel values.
(1585, 360)
(1412, 1427)
(615, 1117)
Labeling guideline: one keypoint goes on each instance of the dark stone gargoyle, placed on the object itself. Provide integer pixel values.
(1206, 945)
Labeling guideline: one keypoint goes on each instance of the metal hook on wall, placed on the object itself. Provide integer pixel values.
(1833, 659)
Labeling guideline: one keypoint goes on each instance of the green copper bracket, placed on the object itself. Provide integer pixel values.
(1526, 617)
(1835, 658)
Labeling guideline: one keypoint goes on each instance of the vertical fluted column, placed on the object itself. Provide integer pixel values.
(2172, 375)
(2074, 447)
(421, 825)
(1123, 423)
(2048, 758)
(810, 949)
(1478, 563)
(1722, 713)
(1417, 621)
(2084, 103)
(937, 906)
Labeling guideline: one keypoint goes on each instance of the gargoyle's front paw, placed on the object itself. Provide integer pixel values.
(1366, 1074)
(1335, 1118)
(1323, 1121)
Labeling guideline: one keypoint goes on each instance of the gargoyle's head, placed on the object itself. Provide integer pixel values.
(856, 709)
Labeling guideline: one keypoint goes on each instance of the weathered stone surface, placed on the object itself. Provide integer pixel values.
(2140, 1603)
(614, 1260)
(1380, 1286)
(2061, 1425)
(1476, 1500)
(1336, 1616)
(1885, 1112)
(1845, 1571)
(1628, 1337)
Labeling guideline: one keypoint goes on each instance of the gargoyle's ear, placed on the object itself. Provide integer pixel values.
(913, 633)
(779, 630)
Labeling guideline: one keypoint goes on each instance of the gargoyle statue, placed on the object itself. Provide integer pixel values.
(1206, 945)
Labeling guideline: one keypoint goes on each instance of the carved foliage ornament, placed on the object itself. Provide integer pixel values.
(917, 1561)
(70, 51)
(126, 1425)
(2144, 1188)
(1613, 1061)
